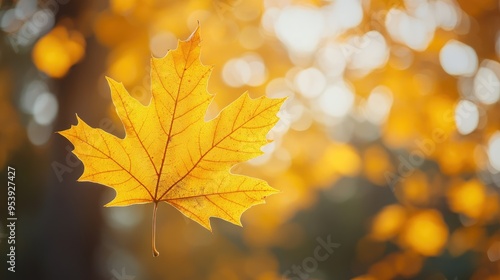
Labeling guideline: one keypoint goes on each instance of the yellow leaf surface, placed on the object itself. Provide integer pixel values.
(170, 153)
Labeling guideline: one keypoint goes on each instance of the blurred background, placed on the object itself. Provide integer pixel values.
(388, 147)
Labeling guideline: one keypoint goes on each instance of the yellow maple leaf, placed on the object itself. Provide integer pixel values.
(170, 153)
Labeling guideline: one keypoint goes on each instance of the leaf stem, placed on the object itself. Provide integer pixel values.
(153, 240)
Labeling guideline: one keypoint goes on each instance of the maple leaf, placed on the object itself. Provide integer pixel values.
(170, 153)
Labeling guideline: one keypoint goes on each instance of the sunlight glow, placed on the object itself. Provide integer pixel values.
(415, 32)
(458, 58)
(300, 28)
(378, 105)
(487, 85)
(337, 100)
(446, 14)
(310, 82)
(247, 70)
(494, 151)
(344, 14)
(332, 60)
(466, 117)
(370, 53)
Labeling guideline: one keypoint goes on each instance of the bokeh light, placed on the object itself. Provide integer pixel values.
(388, 142)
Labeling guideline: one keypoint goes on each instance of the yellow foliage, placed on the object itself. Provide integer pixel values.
(344, 159)
(58, 50)
(170, 153)
(467, 198)
(388, 222)
(336, 159)
(415, 189)
(455, 157)
(425, 232)
(408, 263)
(122, 6)
(124, 65)
(313, 149)
(400, 129)
(375, 164)
(464, 239)
(111, 29)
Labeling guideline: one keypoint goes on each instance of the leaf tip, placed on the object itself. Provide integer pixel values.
(78, 119)
(196, 32)
(107, 205)
(208, 226)
(276, 191)
(195, 37)
(238, 222)
(112, 82)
